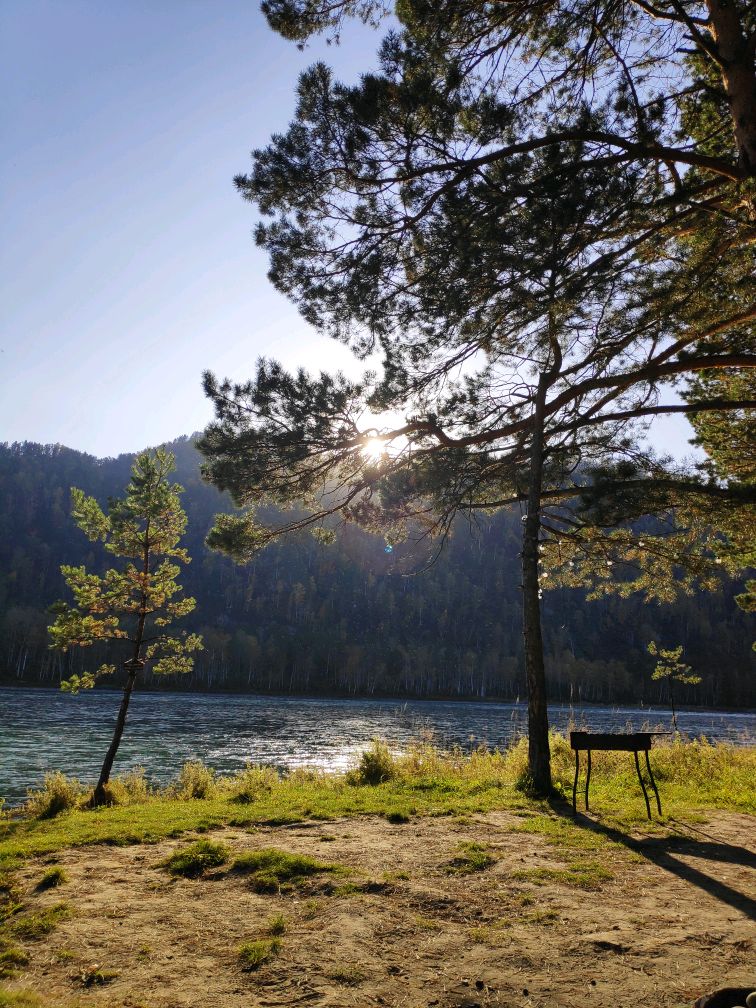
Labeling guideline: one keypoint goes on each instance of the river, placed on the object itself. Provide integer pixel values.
(43, 730)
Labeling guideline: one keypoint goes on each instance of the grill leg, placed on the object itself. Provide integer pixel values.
(575, 782)
(587, 780)
(653, 783)
(643, 786)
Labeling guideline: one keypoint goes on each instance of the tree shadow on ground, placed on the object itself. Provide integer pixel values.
(661, 851)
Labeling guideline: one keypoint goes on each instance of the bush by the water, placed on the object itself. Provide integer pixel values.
(57, 794)
(376, 765)
(195, 780)
(60, 793)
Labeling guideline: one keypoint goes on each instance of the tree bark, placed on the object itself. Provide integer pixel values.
(738, 76)
(100, 795)
(133, 666)
(539, 756)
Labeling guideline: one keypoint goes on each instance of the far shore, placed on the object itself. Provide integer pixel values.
(620, 706)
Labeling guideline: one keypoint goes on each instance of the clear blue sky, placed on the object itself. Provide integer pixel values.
(126, 254)
(127, 260)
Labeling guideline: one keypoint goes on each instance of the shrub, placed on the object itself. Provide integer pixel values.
(376, 765)
(252, 783)
(58, 794)
(192, 861)
(128, 788)
(194, 781)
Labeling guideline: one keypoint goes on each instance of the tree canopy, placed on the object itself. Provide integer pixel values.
(542, 219)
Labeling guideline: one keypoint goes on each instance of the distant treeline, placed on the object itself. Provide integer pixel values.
(309, 618)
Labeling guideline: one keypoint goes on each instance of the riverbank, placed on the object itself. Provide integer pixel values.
(52, 730)
(425, 880)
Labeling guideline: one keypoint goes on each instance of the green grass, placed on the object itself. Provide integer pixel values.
(546, 916)
(51, 879)
(472, 857)
(350, 976)
(11, 959)
(19, 999)
(579, 875)
(276, 926)
(396, 817)
(193, 861)
(271, 869)
(32, 926)
(693, 778)
(255, 954)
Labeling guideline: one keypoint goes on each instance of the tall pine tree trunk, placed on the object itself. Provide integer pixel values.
(539, 757)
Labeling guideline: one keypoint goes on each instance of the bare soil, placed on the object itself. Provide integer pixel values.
(401, 930)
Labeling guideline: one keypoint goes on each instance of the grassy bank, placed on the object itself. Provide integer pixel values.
(693, 777)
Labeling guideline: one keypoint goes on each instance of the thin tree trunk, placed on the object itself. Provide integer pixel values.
(133, 666)
(539, 757)
(100, 795)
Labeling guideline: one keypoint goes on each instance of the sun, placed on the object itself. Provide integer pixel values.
(374, 449)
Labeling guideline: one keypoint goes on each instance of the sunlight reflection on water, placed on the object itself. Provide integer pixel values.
(43, 730)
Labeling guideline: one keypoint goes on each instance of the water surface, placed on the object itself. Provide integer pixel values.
(43, 730)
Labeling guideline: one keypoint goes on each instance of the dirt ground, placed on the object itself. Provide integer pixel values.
(675, 921)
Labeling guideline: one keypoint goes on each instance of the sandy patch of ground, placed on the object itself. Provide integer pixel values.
(675, 920)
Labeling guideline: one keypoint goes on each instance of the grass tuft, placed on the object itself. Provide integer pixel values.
(473, 857)
(19, 999)
(579, 875)
(36, 925)
(271, 869)
(350, 976)
(397, 817)
(95, 976)
(192, 861)
(195, 780)
(51, 879)
(255, 954)
(276, 926)
(11, 958)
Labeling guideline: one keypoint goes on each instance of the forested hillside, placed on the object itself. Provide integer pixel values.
(346, 618)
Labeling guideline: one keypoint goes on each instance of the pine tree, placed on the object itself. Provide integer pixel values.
(136, 602)
(506, 212)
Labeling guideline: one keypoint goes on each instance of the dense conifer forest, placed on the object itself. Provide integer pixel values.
(350, 618)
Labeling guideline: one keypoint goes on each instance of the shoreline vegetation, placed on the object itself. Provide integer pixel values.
(693, 775)
(425, 873)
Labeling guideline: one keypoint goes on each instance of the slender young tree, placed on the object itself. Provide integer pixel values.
(137, 602)
(670, 667)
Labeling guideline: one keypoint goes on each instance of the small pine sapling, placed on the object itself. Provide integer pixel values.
(670, 667)
(136, 602)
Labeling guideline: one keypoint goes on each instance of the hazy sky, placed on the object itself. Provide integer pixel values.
(127, 260)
